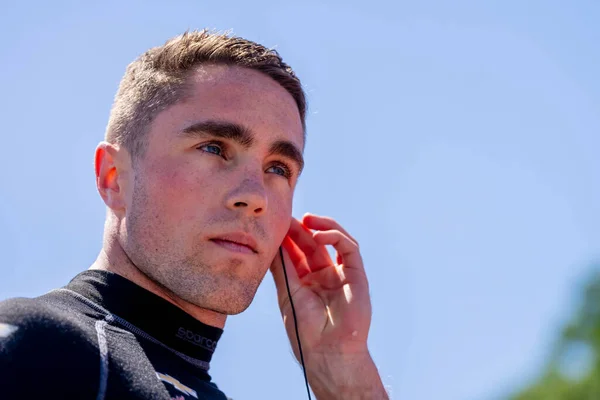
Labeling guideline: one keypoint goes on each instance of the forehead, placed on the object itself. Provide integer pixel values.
(242, 96)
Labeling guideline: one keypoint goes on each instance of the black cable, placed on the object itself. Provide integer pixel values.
(295, 322)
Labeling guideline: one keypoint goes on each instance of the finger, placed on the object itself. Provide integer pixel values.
(317, 255)
(346, 248)
(279, 276)
(321, 223)
(297, 257)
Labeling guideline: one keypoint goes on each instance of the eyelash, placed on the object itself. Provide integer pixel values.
(222, 146)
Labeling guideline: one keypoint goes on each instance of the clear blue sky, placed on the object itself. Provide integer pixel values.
(458, 143)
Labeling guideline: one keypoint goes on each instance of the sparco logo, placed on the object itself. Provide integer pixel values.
(196, 339)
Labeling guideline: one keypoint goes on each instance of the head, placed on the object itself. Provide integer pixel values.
(203, 150)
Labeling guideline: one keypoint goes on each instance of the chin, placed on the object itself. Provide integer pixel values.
(233, 299)
(236, 309)
(232, 307)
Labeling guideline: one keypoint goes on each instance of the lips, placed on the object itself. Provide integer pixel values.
(238, 238)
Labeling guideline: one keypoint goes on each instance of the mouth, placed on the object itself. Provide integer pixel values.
(237, 242)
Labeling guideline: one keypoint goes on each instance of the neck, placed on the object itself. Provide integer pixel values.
(113, 258)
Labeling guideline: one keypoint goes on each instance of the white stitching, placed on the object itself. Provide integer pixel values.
(100, 325)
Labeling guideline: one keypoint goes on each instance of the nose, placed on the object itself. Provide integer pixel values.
(249, 197)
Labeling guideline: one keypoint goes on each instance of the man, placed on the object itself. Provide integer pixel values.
(202, 153)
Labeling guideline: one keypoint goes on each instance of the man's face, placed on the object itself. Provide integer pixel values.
(219, 169)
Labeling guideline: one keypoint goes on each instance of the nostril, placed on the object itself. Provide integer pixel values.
(240, 204)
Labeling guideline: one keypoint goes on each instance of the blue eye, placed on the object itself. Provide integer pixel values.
(212, 148)
(281, 170)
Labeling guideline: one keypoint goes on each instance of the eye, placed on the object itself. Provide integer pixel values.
(214, 148)
(281, 169)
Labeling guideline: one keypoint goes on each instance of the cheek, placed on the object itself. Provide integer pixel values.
(175, 189)
(281, 213)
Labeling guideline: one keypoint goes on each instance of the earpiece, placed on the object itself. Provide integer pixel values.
(295, 321)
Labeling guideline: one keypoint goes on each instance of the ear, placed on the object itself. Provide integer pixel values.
(111, 173)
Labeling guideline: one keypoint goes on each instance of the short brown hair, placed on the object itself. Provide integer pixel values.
(158, 79)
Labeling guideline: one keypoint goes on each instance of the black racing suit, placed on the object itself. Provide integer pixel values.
(103, 337)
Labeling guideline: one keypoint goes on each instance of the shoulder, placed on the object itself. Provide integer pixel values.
(44, 347)
(37, 321)
(32, 324)
(28, 312)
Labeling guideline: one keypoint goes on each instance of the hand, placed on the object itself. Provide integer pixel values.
(331, 301)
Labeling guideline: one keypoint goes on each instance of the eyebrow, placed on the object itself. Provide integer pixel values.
(244, 137)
